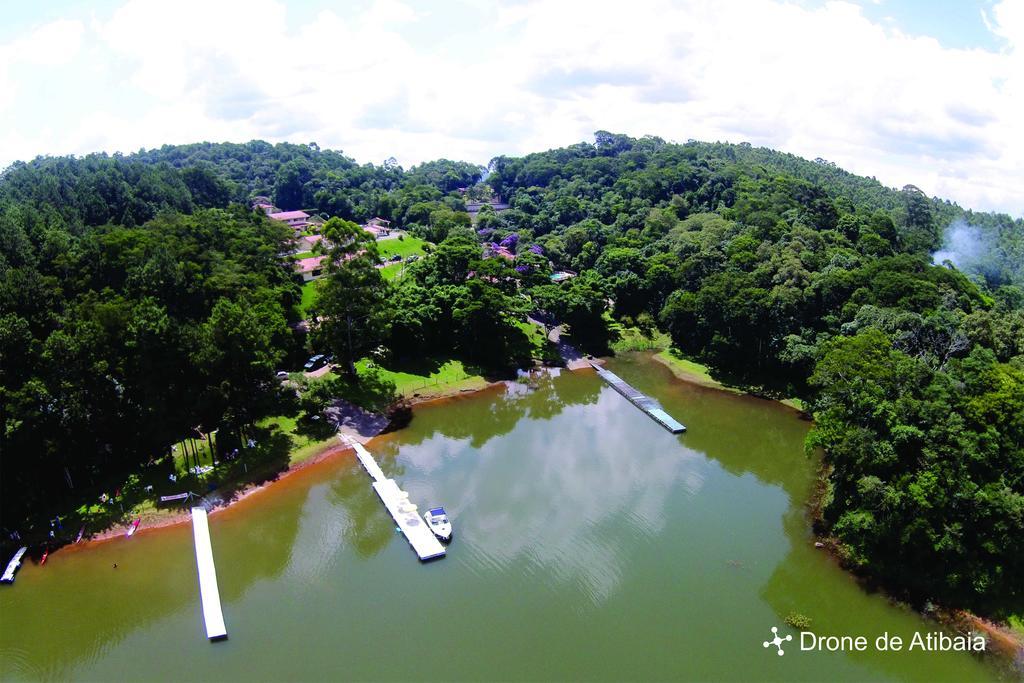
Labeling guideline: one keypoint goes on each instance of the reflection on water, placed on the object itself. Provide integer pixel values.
(590, 543)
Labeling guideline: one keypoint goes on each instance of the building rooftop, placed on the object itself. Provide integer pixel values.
(307, 264)
(288, 215)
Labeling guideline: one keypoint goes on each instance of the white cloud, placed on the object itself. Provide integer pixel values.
(49, 45)
(383, 80)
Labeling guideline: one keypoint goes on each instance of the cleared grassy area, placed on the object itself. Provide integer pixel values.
(308, 297)
(304, 442)
(434, 378)
(404, 247)
(392, 271)
(689, 368)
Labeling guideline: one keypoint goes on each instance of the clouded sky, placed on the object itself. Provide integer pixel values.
(923, 92)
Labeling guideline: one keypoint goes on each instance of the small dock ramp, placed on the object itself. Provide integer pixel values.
(640, 400)
(367, 461)
(208, 591)
(13, 565)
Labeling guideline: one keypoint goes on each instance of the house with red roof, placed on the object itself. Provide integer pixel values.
(498, 250)
(310, 268)
(378, 227)
(299, 221)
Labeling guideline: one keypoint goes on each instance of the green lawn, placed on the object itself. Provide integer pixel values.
(451, 375)
(308, 297)
(304, 443)
(405, 247)
(390, 272)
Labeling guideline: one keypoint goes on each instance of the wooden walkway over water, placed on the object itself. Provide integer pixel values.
(640, 400)
(208, 591)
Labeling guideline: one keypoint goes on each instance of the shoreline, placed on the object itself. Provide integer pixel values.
(325, 450)
(1006, 642)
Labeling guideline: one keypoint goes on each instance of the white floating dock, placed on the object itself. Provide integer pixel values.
(406, 515)
(208, 592)
(13, 565)
(369, 464)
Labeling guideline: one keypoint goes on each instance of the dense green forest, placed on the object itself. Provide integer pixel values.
(140, 298)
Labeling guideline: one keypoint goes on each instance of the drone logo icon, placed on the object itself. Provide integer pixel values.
(777, 641)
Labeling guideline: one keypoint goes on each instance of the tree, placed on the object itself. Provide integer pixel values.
(238, 356)
(352, 309)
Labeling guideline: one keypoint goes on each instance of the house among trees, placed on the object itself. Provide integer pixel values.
(307, 242)
(310, 268)
(491, 250)
(378, 227)
(299, 221)
(264, 204)
(473, 208)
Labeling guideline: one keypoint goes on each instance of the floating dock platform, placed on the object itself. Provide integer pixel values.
(208, 592)
(405, 514)
(13, 565)
(640, 400)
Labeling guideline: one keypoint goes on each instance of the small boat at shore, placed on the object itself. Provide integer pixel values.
(81, 532)
(133, 528)
(437, 520)
(12, 566)
(46, 554)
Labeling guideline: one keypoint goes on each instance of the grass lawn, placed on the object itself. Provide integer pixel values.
(308, 297)
(391, 271)
(446, 377)
(405, 247)
(304, 442)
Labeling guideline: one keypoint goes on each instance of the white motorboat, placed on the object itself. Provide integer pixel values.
(437, 520)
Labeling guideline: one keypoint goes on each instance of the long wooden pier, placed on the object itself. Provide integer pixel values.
(208, 591)
(405, 514)
(640, 400)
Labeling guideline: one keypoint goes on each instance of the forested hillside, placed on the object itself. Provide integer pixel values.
(140, 296)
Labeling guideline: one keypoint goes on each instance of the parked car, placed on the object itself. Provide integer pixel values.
(396, 257)
(412, 258)
(281, 374)
(315, 363)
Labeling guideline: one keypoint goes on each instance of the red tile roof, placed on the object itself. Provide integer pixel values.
(288, 215)
(307, 264)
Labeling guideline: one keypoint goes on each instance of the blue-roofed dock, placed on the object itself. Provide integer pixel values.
(640, 400)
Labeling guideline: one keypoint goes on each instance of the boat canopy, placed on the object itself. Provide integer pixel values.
(437, 511)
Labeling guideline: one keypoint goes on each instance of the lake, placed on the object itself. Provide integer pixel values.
(590, 544)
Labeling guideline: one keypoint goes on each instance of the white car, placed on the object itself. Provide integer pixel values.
(437, 520)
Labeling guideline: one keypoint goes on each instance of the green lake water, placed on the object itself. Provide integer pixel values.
(590, 544)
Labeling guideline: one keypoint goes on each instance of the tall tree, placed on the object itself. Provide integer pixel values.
(352, 309)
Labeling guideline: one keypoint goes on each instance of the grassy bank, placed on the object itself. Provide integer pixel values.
(429, 378)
